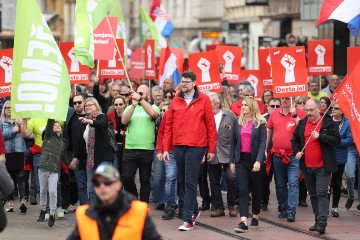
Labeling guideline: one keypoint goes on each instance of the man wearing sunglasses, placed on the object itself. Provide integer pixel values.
(114, 214)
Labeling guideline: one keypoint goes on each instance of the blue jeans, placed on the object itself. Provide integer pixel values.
(118, 158)
(165, 182)
(188, 161)
(287, 181)
(81, 182)
(317, 182)
(36, 159)
(350, 169)
(89, 175)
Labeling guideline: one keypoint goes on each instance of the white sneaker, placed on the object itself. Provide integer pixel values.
(47, 215)
(59, 213)
(10, 206)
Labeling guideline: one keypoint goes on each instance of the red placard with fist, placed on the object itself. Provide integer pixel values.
(320, 57)
(6, 62)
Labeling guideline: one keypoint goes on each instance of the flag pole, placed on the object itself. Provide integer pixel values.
(97, 68)
(121, 58)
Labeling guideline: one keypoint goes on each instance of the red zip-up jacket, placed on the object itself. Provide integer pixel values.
(160, 137)
(192, 125)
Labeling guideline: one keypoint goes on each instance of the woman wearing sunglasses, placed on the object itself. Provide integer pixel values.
(168, 96)
(119, 104)
(341, 156)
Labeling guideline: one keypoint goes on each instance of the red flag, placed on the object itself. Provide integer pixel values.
(334, 95)
(154, 9)
(348, 97)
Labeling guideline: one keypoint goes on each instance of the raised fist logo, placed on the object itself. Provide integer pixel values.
(288, 63)
(229, 58)
(268, 60)
(204, 66)
(254, 82)
(112, 62)
(320, 52)
(6, 64)
(74, 67)
(148, 52)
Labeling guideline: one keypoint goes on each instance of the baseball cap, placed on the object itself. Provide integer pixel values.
(108, 172)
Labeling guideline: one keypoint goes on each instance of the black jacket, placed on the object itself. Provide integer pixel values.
(99, 212)
(329, 136)
(258, 143)
(102, 149)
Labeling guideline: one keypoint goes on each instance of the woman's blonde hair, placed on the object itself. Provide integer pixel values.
(93, 100)
(225, 97)
(3, 117)
(254, 113)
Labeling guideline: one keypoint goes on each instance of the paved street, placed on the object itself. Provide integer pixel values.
(345, 227)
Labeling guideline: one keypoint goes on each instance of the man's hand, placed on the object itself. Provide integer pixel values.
(210, 156)
(299, 155)
(315, 134)
(256, 166)
(166, 156)
(159, 156)
(232, 167)
(73, 163)
(135, 98)
(2, 158)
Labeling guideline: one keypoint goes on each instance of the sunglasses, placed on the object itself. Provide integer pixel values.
(140, 93)
(168, 97)
(275, 106)
(301, 103)
(79, 102)
(163, 110)
(125, 95)
(106, 183)
(336, 108)
(118, 104)
(7, 108)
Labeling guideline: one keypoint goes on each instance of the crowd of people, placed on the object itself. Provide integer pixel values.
(178, 139)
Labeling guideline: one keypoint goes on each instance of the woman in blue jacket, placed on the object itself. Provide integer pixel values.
(341, 156)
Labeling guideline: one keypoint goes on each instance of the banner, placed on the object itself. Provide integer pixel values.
(265, 67)
(40, 80)
(6, 63)
(104, 40)
(168, 67)
(205, 65)
(254, 77)
(179, 54)
(320, 57)
(230, 57)
(149, 48)
(353, 57)
(78, 73)
(348, 97)
(113, 68)
(288, 66)
(137, 64)
(161, 19)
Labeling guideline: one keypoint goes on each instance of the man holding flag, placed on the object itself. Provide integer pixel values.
(313, 144)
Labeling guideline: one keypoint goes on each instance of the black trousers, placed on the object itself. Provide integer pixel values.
(134, 159)
(203, 183)
(266, 179)
(336, 180)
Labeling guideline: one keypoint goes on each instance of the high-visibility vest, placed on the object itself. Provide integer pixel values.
(129, 226)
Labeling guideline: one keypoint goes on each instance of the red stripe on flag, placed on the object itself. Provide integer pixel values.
(327, 9)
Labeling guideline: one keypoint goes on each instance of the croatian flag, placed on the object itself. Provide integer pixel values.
(161, 19)
(168, 68)
(347, 11)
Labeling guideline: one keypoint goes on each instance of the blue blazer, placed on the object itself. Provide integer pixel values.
(258, 143)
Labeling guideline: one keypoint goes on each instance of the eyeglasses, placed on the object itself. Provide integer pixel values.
(274, 106)
(336, 108)
(89, 105)
(7, 108)
(118, 104)
(267, 95)
(310, 110)
(106, 183)
(168, 97)
(185, 82)
(124, 94)
(163, 110)
(79, 102)
(140, 93)
(301, 103)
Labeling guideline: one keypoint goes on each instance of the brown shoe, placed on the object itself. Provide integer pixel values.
(232, 211)
(217, 213)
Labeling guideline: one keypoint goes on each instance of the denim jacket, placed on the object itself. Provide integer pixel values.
(13, 142)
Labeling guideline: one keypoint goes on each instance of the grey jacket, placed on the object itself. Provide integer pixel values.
(224, 137)
(258, 143)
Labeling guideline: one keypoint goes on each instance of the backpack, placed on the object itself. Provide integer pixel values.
(111, 133)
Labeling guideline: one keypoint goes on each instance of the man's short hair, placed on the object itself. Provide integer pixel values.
(314, 81)
(273, 99)
(246, 83)
(189, 74)
(248, 88)
(157, 88)
(124, 89)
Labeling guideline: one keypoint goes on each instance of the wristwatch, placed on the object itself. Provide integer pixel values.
(141, 98)
(294, 115)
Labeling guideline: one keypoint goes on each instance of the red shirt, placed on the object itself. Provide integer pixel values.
(312, 151)
(236, 107)
(283, 127)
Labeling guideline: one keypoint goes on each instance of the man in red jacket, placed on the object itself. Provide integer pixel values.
(190, 126)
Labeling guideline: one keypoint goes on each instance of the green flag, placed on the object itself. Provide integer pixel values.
(116, 11)
(88, 15)
(150, 31)
(40, 82)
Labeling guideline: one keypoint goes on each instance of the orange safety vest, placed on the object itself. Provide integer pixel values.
(129, 226)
